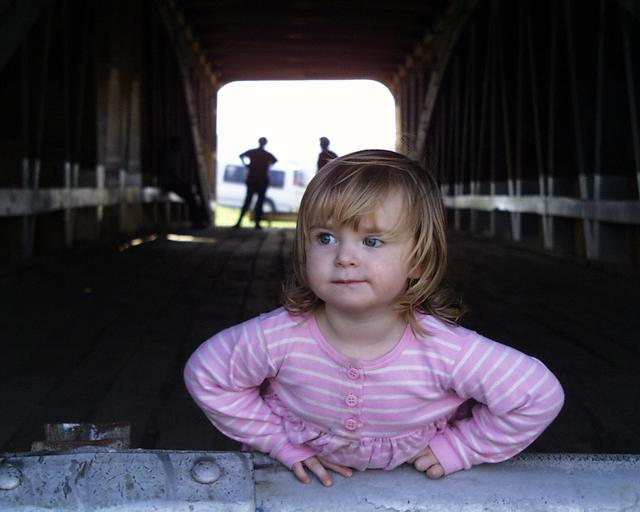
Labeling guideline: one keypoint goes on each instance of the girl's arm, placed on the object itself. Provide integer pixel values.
(518, 398)
(224, 376)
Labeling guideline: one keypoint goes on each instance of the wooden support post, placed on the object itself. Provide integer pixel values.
(122, 205)
(31, 177)
(551, 171)
(545, 219)
(631, 93)
(68, 212)
(590, 246)
(154, 206)
(506, 126)
(100, 185)
(67, 167)
(471, 85)
(597, 141)
(44, 81)
(455, 142)
(26, 248)
(493, 136)
(466, 139)
(516, 177)
(482, 135)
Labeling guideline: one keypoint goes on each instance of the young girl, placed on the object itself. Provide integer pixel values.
(364, 366)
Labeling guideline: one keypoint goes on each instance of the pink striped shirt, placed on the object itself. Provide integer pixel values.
(274, 383)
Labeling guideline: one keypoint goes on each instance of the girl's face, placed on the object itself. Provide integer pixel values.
(363, 270)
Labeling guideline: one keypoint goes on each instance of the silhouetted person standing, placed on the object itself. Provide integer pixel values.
(326, 154)
(259, 161)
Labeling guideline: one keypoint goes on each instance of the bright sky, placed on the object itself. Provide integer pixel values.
(293, 115)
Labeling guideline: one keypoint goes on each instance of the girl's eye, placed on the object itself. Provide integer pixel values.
(371, 241)
(326, 238)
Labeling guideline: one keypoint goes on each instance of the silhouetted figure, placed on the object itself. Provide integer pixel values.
(259, 161)
(181, 179)
(326, 154)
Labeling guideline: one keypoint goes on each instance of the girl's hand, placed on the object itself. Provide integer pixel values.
(317, 466)
(426, 462)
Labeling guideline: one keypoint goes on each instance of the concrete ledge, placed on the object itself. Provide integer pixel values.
(127, 480)
(139, 480)
(527, 483)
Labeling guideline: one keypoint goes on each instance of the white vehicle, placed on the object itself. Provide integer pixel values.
(286, 187)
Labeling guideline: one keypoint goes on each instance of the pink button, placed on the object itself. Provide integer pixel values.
(351, 424)
(351, 400)
(353, 373)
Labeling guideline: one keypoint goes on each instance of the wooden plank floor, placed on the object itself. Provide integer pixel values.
(98, 334)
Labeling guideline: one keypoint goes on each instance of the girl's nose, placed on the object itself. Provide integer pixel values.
(345, 257)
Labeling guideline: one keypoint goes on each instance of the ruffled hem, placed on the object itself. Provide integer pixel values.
(363, 453)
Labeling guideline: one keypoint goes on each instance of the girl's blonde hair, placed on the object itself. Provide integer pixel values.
(351, 187)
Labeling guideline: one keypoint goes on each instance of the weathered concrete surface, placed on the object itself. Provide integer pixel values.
(131, 480)
(530, 482)
(128, 481)
(97, 334)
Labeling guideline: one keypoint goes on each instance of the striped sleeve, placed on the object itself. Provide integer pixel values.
(518, 397)
(224, 376)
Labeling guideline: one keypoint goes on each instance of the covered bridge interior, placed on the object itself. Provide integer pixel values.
(527, 112)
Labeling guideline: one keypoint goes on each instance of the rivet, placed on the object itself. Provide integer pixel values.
(10, 477)
(205, 472)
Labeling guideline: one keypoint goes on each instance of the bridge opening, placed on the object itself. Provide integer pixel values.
(293, 116)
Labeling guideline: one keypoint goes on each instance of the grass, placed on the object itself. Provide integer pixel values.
(227, 216)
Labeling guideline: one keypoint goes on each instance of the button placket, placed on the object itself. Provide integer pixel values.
(352, 398)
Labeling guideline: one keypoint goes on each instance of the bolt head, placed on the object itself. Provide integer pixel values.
(10, 477)
(205, 472)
